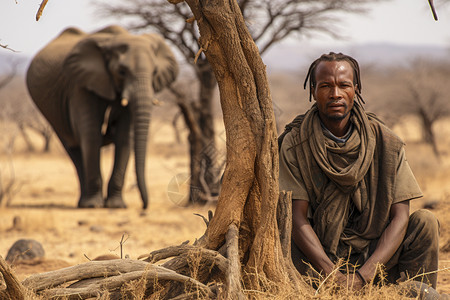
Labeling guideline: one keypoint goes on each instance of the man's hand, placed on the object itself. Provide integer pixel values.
(308, 242)
(349, 282)
(306, 239)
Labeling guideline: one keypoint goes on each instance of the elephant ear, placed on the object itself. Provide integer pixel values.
(166, 65)
(86, 64)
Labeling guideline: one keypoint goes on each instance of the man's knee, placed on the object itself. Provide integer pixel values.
(425, 221)
(421, 246)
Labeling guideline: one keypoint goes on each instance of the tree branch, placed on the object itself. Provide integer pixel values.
(41, 9)
(433, 10)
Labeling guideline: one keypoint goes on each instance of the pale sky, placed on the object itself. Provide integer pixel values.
(397, 21)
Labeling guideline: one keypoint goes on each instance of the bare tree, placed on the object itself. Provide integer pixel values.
(19, 112)
(9, 185)
(425, 94)
(269, 22)
(6, 78)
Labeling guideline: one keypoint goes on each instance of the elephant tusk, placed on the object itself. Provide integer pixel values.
(156, 102)
(106, 120)
(124, 102)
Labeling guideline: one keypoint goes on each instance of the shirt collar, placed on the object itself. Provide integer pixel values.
(330, 135)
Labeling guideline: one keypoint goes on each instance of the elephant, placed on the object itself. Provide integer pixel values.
(96, 89)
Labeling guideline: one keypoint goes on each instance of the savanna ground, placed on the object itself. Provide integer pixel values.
(47, 193)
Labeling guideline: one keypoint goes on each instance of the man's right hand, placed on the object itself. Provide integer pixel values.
(306, 239)
(350, 281)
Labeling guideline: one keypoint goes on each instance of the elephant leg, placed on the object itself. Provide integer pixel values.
(92, 196)
(121, 141)
(87, 117)
(75, 156)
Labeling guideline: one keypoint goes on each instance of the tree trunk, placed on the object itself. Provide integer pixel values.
(26, 138)
(427, 128)
(205, 172)
(47, 139)
(249, 194)
(204, 180)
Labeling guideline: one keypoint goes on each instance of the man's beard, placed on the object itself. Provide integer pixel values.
(339, 117)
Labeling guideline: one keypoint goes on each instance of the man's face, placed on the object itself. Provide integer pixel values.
(334, 90)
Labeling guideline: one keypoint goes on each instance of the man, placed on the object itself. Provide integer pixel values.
(351, 186)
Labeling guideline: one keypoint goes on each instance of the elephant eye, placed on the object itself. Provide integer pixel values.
(122, 48)
(122, 71)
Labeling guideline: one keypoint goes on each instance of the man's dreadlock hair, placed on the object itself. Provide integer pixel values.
(311, 76)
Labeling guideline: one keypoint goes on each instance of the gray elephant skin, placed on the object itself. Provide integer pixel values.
(97, 89)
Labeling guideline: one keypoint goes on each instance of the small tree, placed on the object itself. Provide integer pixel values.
(19, 111)
(9, 185)
(425, 94)
(6, 78)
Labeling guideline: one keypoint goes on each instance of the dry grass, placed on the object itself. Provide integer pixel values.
(136, 290)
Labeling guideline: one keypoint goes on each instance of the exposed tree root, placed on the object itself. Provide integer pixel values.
(10, 286)
(233, 283)
(192, 272)
(91, 269)
(98, 277)
(113, 283)
(211, 257)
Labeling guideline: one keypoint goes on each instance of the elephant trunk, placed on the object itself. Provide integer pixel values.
(140, 105)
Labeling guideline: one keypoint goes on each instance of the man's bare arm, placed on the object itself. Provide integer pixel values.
(306, 239)
(389, 241)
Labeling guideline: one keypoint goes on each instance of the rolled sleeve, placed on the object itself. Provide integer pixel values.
(406, 186)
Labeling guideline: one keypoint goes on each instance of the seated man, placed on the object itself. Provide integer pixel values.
(351, 186)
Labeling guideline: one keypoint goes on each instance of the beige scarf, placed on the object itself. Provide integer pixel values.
(362, 170)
